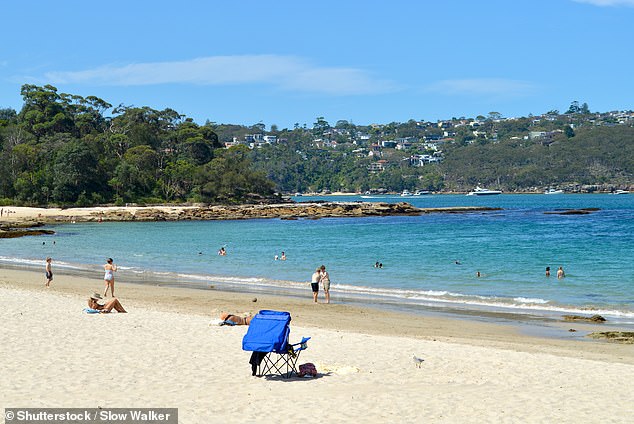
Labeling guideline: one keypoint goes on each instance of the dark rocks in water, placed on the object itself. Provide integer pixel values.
(583, 211)
(593, 318)
(625, 337)
(13, 233)
(23, 224)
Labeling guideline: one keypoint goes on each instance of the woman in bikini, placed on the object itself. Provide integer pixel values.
(108, 277)
(93, 303)
(236, 320)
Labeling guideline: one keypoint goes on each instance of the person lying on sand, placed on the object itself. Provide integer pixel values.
(236, 320)
(93, 303)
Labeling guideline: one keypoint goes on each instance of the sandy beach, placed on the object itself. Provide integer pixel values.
(167, 352)
(25, 213)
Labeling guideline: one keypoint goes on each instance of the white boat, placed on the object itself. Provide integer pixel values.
(406, 193)
(621, 192)
(298, 194)
(479, 191)
(421, 192)
(553, 191)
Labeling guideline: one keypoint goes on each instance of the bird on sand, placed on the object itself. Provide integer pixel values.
(418, 361)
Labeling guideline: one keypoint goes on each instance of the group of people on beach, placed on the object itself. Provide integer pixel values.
(93, 301)
(6, 212)
(320, 276)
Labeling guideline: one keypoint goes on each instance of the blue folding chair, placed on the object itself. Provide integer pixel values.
(267, 338)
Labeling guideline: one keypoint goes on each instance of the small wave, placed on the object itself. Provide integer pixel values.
(529, 300)
(36, 262)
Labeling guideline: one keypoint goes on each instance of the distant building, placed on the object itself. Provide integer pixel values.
(377, 166)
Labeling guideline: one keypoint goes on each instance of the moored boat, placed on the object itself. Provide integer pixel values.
(553, 191)
(479, 191)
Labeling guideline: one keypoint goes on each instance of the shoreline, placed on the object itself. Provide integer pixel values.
(537, 320)
(502, 329)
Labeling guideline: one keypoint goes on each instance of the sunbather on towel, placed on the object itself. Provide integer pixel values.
(93, 303)
(236, 320)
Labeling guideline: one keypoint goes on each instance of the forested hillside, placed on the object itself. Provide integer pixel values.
(62, 149)
(65, 149)
(594, 156)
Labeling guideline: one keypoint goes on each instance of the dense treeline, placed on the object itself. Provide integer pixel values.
(62, 149)
(65, 149)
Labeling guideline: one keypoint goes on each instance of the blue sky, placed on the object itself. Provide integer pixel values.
(287, 62)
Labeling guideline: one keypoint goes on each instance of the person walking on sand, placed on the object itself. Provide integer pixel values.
(314, 283)
(108, 277)
(49, 272)
(560, 273)
(325, 281)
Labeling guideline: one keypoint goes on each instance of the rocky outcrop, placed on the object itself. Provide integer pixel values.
(593, 318)
(625, 337)
(283, 211)
(286, 211)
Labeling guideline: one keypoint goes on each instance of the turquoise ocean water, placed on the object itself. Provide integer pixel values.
(510, 248)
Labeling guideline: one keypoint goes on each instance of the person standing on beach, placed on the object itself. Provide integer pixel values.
(108, 277)
(314, 283)
(48, 272)
(560, 273)
(325, 281)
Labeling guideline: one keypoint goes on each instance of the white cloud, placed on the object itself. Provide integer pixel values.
(483, 87)
(603, 3)
(286, 72)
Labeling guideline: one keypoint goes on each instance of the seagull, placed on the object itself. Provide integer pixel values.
(418, 361)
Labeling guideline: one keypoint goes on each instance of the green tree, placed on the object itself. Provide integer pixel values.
(74, 172)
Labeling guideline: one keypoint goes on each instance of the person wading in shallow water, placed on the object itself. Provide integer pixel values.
(325, 281)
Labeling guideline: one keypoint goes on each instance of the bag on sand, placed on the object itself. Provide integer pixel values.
(307, 369)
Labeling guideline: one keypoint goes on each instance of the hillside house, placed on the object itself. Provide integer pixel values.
(377, 166)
